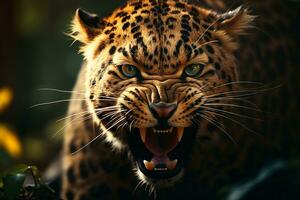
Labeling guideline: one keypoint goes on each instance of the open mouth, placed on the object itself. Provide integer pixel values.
(161, 153)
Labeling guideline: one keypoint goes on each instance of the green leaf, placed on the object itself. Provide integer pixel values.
(21, 168)
(34, 172)
(13, 184)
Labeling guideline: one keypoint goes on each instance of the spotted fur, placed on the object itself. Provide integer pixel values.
(162, 38)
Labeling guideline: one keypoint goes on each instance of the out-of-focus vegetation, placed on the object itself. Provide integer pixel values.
(12, 182)
(5, 98)
(9, 141)
(10, 145)
(13, 187)
(277, 180)
(36, 53)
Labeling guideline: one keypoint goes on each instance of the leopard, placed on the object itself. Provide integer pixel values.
(177, 99)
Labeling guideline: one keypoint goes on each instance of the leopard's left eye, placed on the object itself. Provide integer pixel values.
(194, 70)
(129, 71)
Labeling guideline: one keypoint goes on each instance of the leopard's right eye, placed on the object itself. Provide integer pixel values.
(129, 71)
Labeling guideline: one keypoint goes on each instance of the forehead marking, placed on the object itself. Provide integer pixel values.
(159, 44)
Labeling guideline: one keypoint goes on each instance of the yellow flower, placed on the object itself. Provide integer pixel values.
(6, 96)
(10, 142)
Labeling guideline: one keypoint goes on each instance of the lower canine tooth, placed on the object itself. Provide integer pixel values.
(172, 164)
(143, 134)
(180, 133)
(149, 165)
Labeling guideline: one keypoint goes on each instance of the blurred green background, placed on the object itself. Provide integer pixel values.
(35, 53)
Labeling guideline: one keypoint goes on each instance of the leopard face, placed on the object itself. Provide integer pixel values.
(153, 69)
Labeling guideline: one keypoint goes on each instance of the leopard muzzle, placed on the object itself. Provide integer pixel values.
(162, 151)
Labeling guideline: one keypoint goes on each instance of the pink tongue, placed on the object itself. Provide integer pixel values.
(160, 144)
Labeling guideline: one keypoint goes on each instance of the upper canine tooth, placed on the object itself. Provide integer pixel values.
(180, 133)
(143, 134)
(149, 165)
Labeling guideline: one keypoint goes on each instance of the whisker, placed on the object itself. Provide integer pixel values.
(101, 109)
(140, 183)
(228, 112)
(108, 100)
(108, 97)
(239, 82)
(237, 92)
(130, 125)
(204, 86)
(111, 114)
(94, 129)
(205, 31)
(220, 128)
(54, 102)
(129, 111)
(107, 108)
(106, 114)
(114, 117)
(209, 42)
(59, 90)
(250, 92)
(125, 121)
(122, 124)
(72, 115)
(77, 118)
(95, 138)
(233, 120)
(102, 98)
(232, 99)
(68, 124)
(233, 105)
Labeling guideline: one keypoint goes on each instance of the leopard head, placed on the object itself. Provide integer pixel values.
(153, 67)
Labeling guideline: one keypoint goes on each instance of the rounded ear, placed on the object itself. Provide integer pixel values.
(235, 22)
(85, 26)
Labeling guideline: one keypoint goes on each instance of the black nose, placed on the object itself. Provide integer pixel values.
(162, 110)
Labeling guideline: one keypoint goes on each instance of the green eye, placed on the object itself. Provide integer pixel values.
(194, 70)
(129, 71)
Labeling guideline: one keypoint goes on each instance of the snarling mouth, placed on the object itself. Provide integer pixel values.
(161, 153)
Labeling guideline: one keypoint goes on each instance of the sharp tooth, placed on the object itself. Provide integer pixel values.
(149, 165)
(143, 134)
(172, 164)
(180, 133)
(160, 169)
